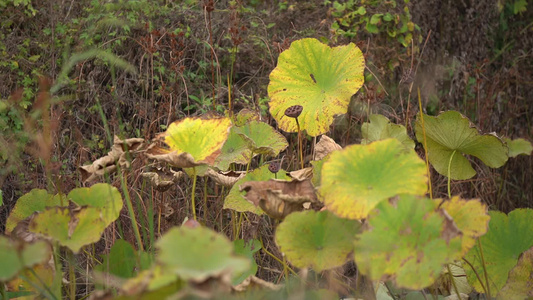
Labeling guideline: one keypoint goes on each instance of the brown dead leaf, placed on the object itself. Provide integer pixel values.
(325, 146)
(278, 198)
(224, 178)
(182, 160)
(302, 174)
(253, 282)
(162, 179)
(108, 163)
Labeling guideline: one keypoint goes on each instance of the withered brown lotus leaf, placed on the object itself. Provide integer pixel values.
(254, 282)
(163, 179)
(325, 146)
(182, 160)
(302, 174)
(108, 164)
(279, 198)
(227, 179)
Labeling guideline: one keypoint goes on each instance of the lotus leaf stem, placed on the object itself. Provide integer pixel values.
(192, 193)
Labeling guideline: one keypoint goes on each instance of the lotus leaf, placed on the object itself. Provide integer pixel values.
(102, 196)
(470, 216)
(507, 238)
(235, 199)
(121, 260)
(408, 240)
(247, 249)
(450, 136)
(520, 279)
(357, 178)
(35, 200)
(202, 139)
(14, 257)
(198, 253)
(319, 78)
(235, 150)
(319, 240)
(380, 128)
(262, 138)
(518, 147)
(71, 228)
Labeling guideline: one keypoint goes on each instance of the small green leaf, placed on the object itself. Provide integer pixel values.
(518, 147)
(409, 241)
(375, 19)
(451, 136)
(380, 128)
(198, 253)
(319, 240)
(317, 77)
(507, 238)
(357, 178)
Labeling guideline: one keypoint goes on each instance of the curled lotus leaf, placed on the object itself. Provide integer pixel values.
(325, 146)
(318, 78)
(450, 136)
(319, 240)
(235, 199)
(235, 150)
(354, 180)
(408, 240)
(279, 198)
(201, 138)
(262, 138)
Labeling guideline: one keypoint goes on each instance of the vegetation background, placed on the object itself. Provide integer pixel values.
(143, 64)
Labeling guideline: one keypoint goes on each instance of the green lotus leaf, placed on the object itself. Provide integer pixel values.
(520, 279)
(319, 240)
(15, 257)
(235, 150)
(380, 128)
(100, 195)
(244, 116)
(262, 138)
(319, 78)
(470, 216)
(235, 199)
(121, 260)
(408, 240)
(202, 139)
(508, 237)
(35, 200)
(198, 253)
(451, 135)
(246, 249)
(317, 171)
(357, 178)
(518, 147)
(71, 228)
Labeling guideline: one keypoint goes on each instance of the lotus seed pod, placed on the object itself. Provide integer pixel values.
(294, 111)
(273, 167)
